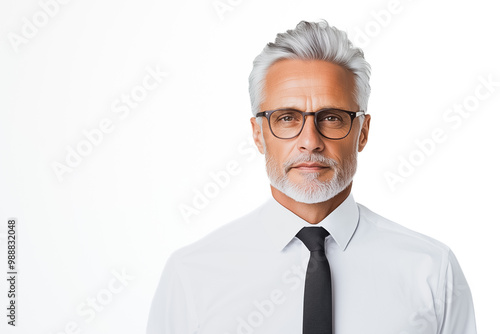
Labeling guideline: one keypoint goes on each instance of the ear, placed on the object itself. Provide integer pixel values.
(363, 136)
(257, 135)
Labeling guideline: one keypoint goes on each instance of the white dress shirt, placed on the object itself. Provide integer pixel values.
(248, 276)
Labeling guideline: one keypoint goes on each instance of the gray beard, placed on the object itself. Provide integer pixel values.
(311, 190)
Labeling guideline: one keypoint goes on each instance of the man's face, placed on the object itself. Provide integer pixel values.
(310, 168)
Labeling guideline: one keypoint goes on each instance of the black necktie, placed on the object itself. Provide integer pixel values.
(318, 310)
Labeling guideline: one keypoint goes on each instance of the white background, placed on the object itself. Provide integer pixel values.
(119, 209)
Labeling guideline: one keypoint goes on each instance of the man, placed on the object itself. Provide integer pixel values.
(310, 260)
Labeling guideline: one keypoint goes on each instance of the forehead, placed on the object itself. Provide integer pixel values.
(308, 84)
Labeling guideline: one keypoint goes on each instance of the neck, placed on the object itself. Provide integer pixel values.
(311, 213)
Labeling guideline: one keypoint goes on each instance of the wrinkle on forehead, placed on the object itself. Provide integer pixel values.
(308, 85)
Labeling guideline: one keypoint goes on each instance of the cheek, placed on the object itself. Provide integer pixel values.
(342, 150)
(279, 149)
(278, 153)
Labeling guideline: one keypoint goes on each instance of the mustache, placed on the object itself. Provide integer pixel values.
(314, 157)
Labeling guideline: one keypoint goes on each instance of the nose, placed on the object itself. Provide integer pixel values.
(309, 138)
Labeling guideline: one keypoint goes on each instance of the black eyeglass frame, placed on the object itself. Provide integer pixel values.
(267, 114)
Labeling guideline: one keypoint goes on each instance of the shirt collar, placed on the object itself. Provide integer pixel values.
(281, 225)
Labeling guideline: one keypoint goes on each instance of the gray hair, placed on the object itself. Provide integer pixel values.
(311, 41)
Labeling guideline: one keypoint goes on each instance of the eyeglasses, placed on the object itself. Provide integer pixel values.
(331, 123)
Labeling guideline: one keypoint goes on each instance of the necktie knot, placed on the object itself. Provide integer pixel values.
(313, 238)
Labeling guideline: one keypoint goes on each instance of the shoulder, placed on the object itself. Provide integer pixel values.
(396, 235)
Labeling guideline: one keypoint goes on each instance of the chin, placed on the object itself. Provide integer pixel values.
(313, 192)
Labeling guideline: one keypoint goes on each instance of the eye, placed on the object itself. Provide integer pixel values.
(286, 118)
(330, 117)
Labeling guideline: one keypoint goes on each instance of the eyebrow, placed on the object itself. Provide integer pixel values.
(299, 109)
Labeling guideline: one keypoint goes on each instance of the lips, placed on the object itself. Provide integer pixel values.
(309, 165)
